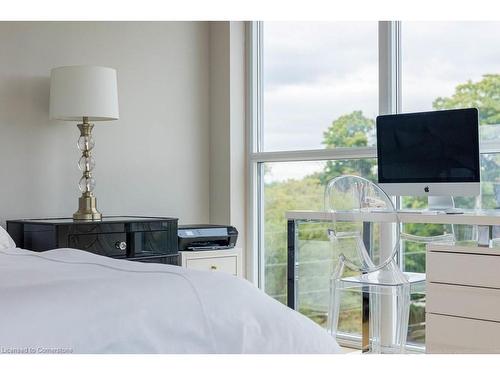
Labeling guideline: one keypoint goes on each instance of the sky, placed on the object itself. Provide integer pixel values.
(315, 72)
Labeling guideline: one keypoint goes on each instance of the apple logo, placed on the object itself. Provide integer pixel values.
(426, 189)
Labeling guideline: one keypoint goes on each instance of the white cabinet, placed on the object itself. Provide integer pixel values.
(463, 299)
(229, 261)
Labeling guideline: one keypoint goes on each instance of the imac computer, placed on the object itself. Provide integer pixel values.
(434, 154)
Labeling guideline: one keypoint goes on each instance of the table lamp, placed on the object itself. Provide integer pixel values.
(84, 93)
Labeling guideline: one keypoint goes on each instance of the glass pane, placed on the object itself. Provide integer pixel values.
(320, 84)
(316, 263)
(449, 65)
(490, 181)
(300, 186)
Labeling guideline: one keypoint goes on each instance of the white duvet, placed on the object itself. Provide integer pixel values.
(71, 301)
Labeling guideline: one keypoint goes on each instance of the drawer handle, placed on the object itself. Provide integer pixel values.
(121, 245)
(213, 268)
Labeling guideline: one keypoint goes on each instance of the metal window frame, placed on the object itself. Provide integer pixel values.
(254, 115)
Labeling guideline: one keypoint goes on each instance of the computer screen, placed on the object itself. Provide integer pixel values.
(428, 147)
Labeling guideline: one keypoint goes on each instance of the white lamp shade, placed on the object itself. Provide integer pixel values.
(83, 91)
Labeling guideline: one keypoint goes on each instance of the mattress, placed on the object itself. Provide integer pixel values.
(71, 301)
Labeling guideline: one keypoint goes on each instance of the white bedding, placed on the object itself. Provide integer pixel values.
(67, 300)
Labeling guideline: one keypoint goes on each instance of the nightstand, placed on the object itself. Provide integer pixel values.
(227, 260)
(144, 239)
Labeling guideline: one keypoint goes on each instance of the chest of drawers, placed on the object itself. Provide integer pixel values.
(463, 299)
(145, 239)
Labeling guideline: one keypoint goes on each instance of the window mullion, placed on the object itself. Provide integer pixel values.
(389, 67)
(254, 135)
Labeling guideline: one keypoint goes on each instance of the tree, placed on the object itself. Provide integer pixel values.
(483, 95)
(280, 197)
(351, 130)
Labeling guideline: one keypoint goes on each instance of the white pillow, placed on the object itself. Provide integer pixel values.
(6, 241)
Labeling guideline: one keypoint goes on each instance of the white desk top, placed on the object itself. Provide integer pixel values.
(469, 217)
(462, 249)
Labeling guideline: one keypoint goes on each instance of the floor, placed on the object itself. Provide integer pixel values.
(346, 350)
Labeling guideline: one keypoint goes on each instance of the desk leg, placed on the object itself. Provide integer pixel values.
(484, 235)
(365, 318)
(365, 309)
(291, 266)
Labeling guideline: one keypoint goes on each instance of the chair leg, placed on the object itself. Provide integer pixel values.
(334, 308)
(334, 304)
(403, 316)
(371, 340)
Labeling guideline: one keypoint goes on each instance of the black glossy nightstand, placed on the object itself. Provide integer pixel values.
(144, 239)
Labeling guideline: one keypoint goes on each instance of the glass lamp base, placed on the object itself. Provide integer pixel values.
(87, 209)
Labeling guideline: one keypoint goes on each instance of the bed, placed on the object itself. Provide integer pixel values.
(71, 301)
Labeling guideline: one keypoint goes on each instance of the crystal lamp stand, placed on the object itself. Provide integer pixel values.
(87, 203)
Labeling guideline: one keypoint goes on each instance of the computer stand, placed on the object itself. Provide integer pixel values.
(440, 203)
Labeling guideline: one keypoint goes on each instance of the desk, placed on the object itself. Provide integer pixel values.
(469, 217)
(485, 219)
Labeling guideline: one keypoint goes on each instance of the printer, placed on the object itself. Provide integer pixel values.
(206, 237)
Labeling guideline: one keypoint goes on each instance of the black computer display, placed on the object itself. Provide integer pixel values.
(438, 146)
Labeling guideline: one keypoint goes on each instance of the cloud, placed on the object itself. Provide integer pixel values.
(302, 52)
(296, 115)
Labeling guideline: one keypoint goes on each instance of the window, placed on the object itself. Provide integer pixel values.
(300, 186)
(317, 94)
(315, 73)
(316, 90)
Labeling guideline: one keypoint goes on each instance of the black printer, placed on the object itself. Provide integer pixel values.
(206, 237)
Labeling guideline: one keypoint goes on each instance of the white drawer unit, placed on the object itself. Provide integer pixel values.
(449, 334)
(229, 261)
(463, 299)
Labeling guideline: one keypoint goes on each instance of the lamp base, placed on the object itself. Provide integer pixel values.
(87, 208)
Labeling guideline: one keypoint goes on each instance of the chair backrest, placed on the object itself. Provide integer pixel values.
(362, 243)
(446, 233)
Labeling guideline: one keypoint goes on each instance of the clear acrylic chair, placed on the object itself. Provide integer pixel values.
(365, 240)
(450, 234)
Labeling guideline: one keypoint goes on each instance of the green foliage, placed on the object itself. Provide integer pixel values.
(484, 95)
(351, 130)
(279, 197)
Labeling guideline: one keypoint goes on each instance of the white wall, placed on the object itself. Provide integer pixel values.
(153, 161)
